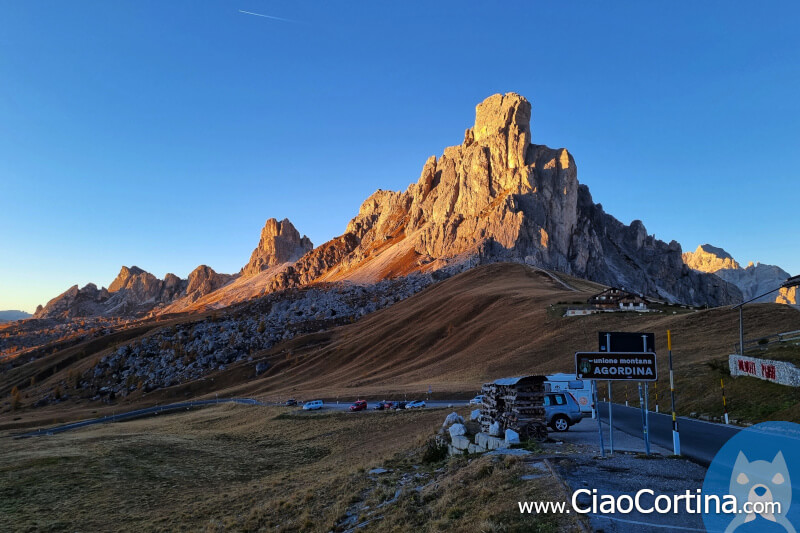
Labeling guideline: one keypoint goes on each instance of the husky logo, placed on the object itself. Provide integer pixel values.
(757, 467)
(759, 483)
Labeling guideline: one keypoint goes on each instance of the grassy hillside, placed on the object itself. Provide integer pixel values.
(492, 321)
(244, 468)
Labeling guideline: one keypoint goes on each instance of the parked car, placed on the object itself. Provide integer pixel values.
(580, 389)
(400, 405)
(312, 405)
(561, 410)
(359, 405)
(477, 400)
(416, 404)
(383, 406)
(291, 402)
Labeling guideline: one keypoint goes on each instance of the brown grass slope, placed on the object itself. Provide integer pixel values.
(496, 321)
(492, 321)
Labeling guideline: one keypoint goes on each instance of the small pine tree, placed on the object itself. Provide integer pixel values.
(16, 398)
(57, 392)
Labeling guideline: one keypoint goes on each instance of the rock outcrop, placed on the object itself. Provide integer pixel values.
(753, 280)
(497, 197)
(280, 243)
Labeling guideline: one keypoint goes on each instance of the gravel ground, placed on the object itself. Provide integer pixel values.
(627, 473)
(585, 433)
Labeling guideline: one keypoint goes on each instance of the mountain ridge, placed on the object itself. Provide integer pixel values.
(753, 280)
(495, 197)
(10, 315)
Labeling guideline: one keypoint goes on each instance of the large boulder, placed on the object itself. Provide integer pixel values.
(460, 442)
(488, 442)
(457, 429)
(452, 418)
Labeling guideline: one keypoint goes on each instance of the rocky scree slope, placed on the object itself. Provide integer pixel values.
(497, 197)
(185, 352)
(753, 280)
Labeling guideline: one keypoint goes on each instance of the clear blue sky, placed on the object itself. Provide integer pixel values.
(164, 134)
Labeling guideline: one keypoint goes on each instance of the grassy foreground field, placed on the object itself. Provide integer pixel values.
(246, 468)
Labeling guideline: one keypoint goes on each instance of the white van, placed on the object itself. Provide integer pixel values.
(581, 389)
(312, 405)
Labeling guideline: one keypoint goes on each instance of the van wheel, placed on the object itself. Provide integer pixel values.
(560, 423)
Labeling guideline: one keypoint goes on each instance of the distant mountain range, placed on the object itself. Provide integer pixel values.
(753, 280)
(10, 316)
(495, 197)
(136, 292)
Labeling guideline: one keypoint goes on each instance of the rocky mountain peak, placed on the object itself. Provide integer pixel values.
(129, 278)
(502, 114)
(497, 197)
(204, 280)
(280, 242)
(709, 259)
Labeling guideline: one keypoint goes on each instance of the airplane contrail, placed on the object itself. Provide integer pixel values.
(265, 16)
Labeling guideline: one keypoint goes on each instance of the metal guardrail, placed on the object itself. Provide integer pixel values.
(762, 343)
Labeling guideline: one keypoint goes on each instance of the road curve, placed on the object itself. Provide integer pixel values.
(136, 414)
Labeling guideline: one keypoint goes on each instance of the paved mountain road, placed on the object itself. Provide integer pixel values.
(699, 440)
(138, 413)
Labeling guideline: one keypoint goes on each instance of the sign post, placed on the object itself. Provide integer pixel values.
(676, 437)
(644, 420)
(646, 426)
(599, 423)
(610, 402)
(615, 366)
(610, 421)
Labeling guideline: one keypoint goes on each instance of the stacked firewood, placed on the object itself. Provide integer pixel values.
(513, 405)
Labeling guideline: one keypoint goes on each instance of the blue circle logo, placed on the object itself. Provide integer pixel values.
(753, 483)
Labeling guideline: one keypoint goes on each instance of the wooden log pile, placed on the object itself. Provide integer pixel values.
(513, 402)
